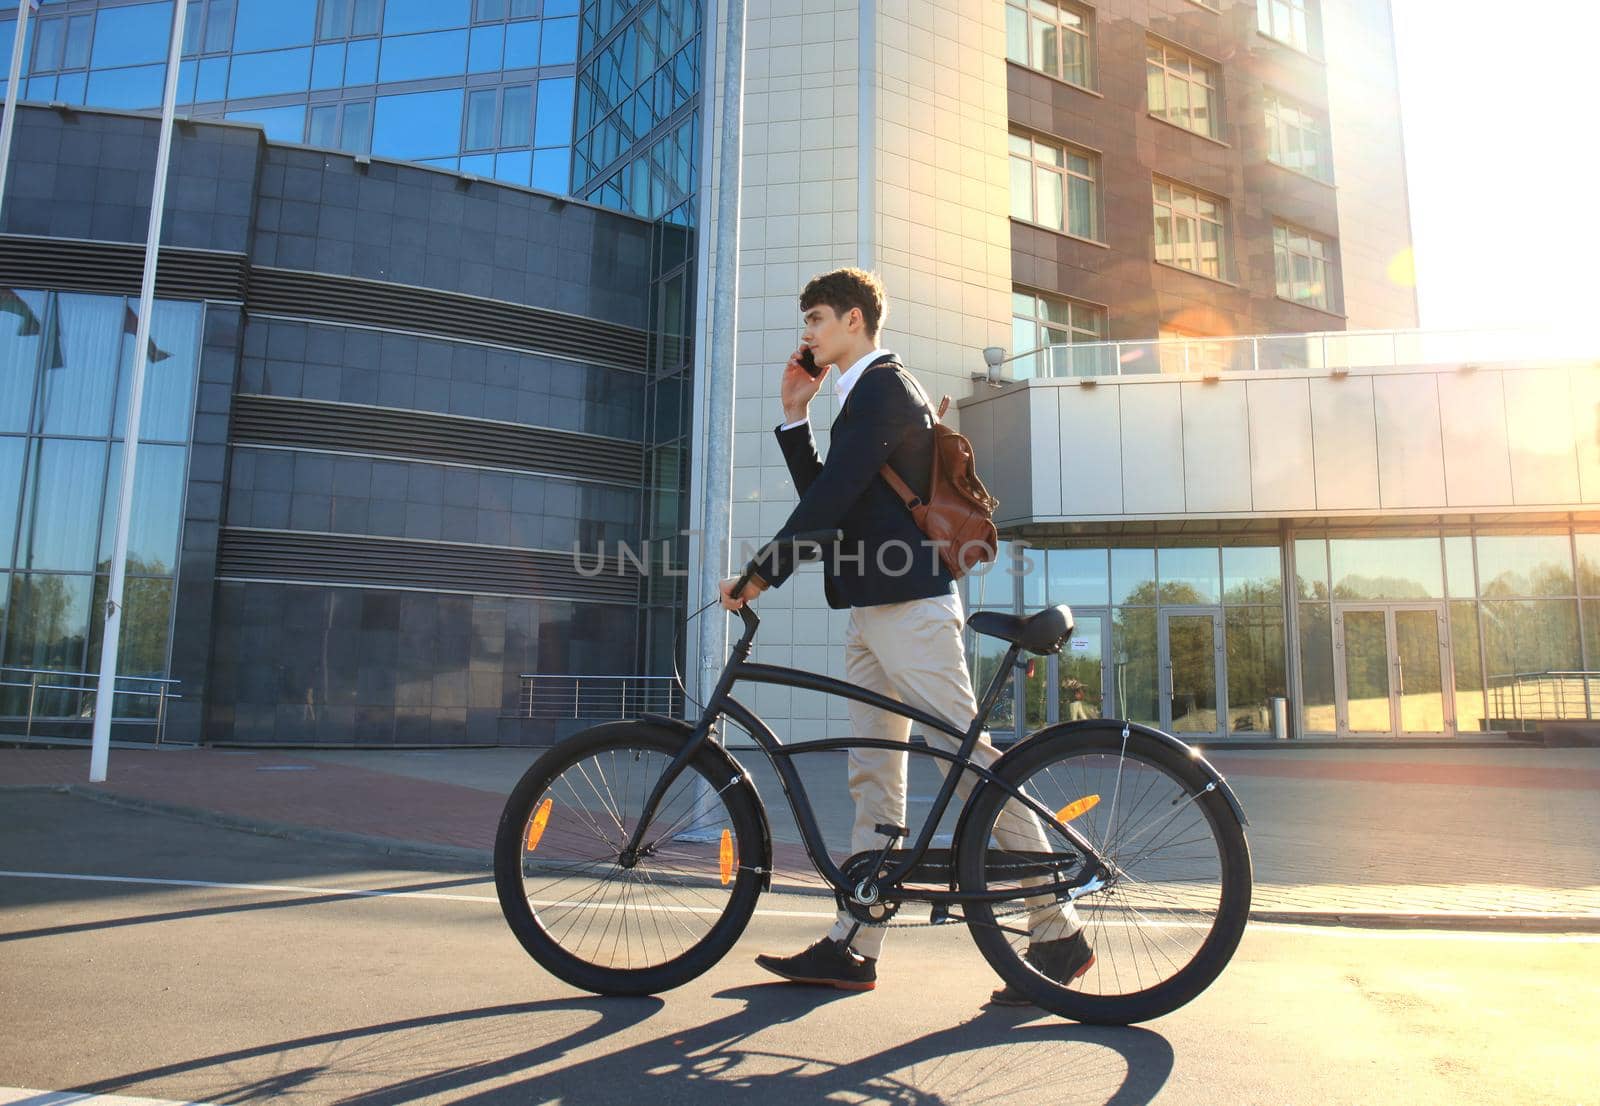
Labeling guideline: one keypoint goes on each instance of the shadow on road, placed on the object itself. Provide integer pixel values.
(999, 1055)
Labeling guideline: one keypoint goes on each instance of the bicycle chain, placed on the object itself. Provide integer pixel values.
(1013, 912)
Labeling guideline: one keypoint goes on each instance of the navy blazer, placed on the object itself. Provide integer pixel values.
(884, 557)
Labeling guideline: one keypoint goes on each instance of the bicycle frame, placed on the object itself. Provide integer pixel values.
(721, 702)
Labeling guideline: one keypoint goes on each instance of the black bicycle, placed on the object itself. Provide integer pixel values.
(630, 856)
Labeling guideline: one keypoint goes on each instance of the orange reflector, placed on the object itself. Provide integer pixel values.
(536, 827)
(725, 857)
(1074, 809)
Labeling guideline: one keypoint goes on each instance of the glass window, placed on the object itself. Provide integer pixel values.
(355, 135)
(1386, 568)
(361, 63)
(1296, 137)
(1589, 563)
(22, 315)
(327, 66)
(1030, 569)
(490, 9)
(1524, 564)
(1304, 266)
(49, 622)
(75, 55)
(269, 74)
(522, 45)
(1052, 36)
(1255, 667)
(414, 57)
(132, 36)
(516, 117)
(146, 616)
(1188, 575)
(1134, 664)
(46, 44)
(1529, 636)
(157, 515)
(272, 24)
(552, 172)
(1467, 661)
(219, 26)
(1311, 567)
(1077, 576)
(1251, 574)
(1316, 668)
(11, 456)
(987, 653)
(324, 128)
(335, 21)
(553, 124)
(1133, 576)
(172, 363)
(515, 167)
(75, 392)
(483, 55)
(70, 88)
(560, 46)
(127, 88)
(1287, 21)
(368, 17)
(61, 505)
(480, 119)
(1458, 566)
(402, 16)
(418, 125)
(1189, 230)
(1053, 323)
(1181, 88)
(280, 124)
(1054, 186)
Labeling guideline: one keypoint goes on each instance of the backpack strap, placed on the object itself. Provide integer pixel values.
(910, 498)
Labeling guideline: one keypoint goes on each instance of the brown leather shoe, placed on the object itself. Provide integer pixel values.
(828, 963)
(1062, 961)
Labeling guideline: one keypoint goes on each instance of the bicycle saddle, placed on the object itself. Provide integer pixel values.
(1039, 633)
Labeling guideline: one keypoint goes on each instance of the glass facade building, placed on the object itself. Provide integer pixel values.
(481, 86)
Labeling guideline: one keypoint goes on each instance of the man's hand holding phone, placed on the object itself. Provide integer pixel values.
(802, 379)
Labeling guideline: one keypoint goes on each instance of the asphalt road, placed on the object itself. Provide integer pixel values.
(277, 973)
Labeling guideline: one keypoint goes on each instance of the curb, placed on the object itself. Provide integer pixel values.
(483, 860)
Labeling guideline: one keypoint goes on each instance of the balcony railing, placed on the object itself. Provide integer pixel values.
(33, 695)
(1335, 351)
(1519, 700)
(555, 697)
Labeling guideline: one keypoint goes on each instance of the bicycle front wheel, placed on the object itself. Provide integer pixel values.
(1167, 921)
(616, 928)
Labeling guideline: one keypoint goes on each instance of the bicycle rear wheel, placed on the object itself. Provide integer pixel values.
(621, 929)
(1169, 919)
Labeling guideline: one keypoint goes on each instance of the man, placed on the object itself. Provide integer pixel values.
(904, 637)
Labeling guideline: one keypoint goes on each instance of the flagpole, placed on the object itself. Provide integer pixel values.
(13, 85)
(105, 695)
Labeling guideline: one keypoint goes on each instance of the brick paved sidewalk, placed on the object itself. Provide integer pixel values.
(1513, 832)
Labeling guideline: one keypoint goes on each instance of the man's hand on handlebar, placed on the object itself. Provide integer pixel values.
(752, 588)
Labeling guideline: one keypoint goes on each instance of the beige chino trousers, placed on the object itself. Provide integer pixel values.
(913, 652)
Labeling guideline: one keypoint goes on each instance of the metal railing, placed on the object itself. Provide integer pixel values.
(1521, 698)
(72, 695)
(1333, 351)
(547, 696)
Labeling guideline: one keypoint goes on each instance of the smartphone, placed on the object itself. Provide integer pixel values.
(808, 362)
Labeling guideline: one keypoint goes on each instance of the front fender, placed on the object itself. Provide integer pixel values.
(678, 725)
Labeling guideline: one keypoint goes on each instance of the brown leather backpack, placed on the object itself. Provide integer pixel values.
(959, 512)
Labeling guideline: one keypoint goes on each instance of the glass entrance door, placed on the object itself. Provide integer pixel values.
(1392, 671)
(1080, 671)
(1191, 667)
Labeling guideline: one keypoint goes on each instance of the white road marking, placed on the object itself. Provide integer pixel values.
(1277, 927)
(22, 1096)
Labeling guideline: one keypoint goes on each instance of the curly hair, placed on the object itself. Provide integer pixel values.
(843, 289)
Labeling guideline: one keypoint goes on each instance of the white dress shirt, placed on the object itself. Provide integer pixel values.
(843, 383)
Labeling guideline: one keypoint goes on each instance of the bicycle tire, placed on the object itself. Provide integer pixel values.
(1127, 981)
(667, 895)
